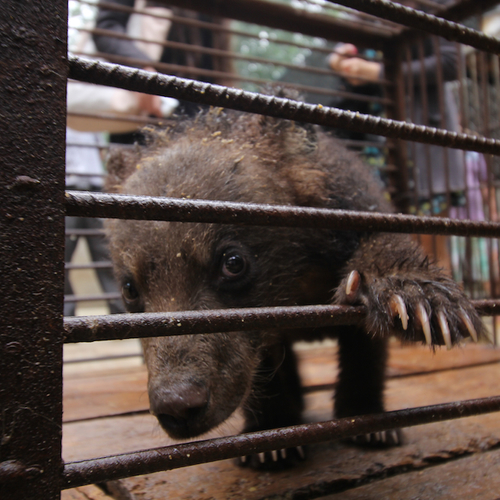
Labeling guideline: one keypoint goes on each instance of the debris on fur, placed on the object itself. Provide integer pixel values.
(197, 381)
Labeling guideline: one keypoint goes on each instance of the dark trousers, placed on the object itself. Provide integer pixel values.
(99, 252)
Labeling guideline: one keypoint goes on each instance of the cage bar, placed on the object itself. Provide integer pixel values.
(32, 234)
(204, 93)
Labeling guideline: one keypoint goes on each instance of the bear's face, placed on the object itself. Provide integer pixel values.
(196, 382)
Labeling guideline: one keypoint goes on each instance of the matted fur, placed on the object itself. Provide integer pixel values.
(196, 382)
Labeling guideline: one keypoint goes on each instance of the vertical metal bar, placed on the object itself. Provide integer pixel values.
(411, 114)
(495, 62)
(425, 113)
(429, 243)
(443, 243)
(463, 109)
(483, 79)
(397, 155)
(442, 111)
(32, 138)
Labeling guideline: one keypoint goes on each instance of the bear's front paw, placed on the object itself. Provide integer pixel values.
(429, 307)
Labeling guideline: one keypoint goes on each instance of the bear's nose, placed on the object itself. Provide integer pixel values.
(178, 407)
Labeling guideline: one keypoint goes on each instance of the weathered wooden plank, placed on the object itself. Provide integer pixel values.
(475, 477)
(91, 357)
(90, 492)
(405, 360)
(331, 467)
(317, 367)
(106, 392)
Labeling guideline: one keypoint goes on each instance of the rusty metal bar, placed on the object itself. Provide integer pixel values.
(360, 18)
(285, 17)
(424, 95)
(167, 68)
(203, 24)
(94, 265)
(463, 112)
(491, 203)
(464, 9)
(140, 120)
(116, 206)
(230, 55)
(183, 455)
(33, 129)
(410, 96)
(85, 232)
(397, 153)
(190, 90)
(334, 9)
(88, 145)
(441, 98)
(412, 18)
(140, 325)
(92, 298)
(109, 358)
(429, 244)
(431, 4)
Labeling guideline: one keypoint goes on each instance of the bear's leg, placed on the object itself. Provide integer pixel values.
(360, 386)
(276, 401)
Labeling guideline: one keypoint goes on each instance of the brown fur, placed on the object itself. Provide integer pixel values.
(196, 382)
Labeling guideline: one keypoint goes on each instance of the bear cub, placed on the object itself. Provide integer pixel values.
(196, 382)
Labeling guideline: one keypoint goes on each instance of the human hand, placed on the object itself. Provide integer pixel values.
(356, 70)
(149, 105)
(341, 52)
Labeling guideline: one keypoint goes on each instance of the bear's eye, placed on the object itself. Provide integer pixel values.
(129, 292)
(234, 264)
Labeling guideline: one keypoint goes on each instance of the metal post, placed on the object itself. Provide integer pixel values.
(32, 148)
(398, 155)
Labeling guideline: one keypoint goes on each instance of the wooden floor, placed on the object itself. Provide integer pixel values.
(105, 412)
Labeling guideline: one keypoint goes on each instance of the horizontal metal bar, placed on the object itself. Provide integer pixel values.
(105, 358)
(234, 56)
(397, 13)
(85, 232)
(92, 298)
(100, 264)
(87, 145)
(117, 206)
(457, 11)
(196, 72)
(140, 325)
(138, 80)
(140, 120)
(215, 27)
(288, 18)
(182, 455)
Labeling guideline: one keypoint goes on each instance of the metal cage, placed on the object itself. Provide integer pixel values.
(34, 204)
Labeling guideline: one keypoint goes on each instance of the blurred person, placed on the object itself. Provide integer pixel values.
(84, 172)
(434, 192)
(374, 154)
(98, 108)
(158, 30)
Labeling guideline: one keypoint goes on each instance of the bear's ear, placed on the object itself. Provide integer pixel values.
(293, 138)
(289, 137)
(121, 163)
(300, 138)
